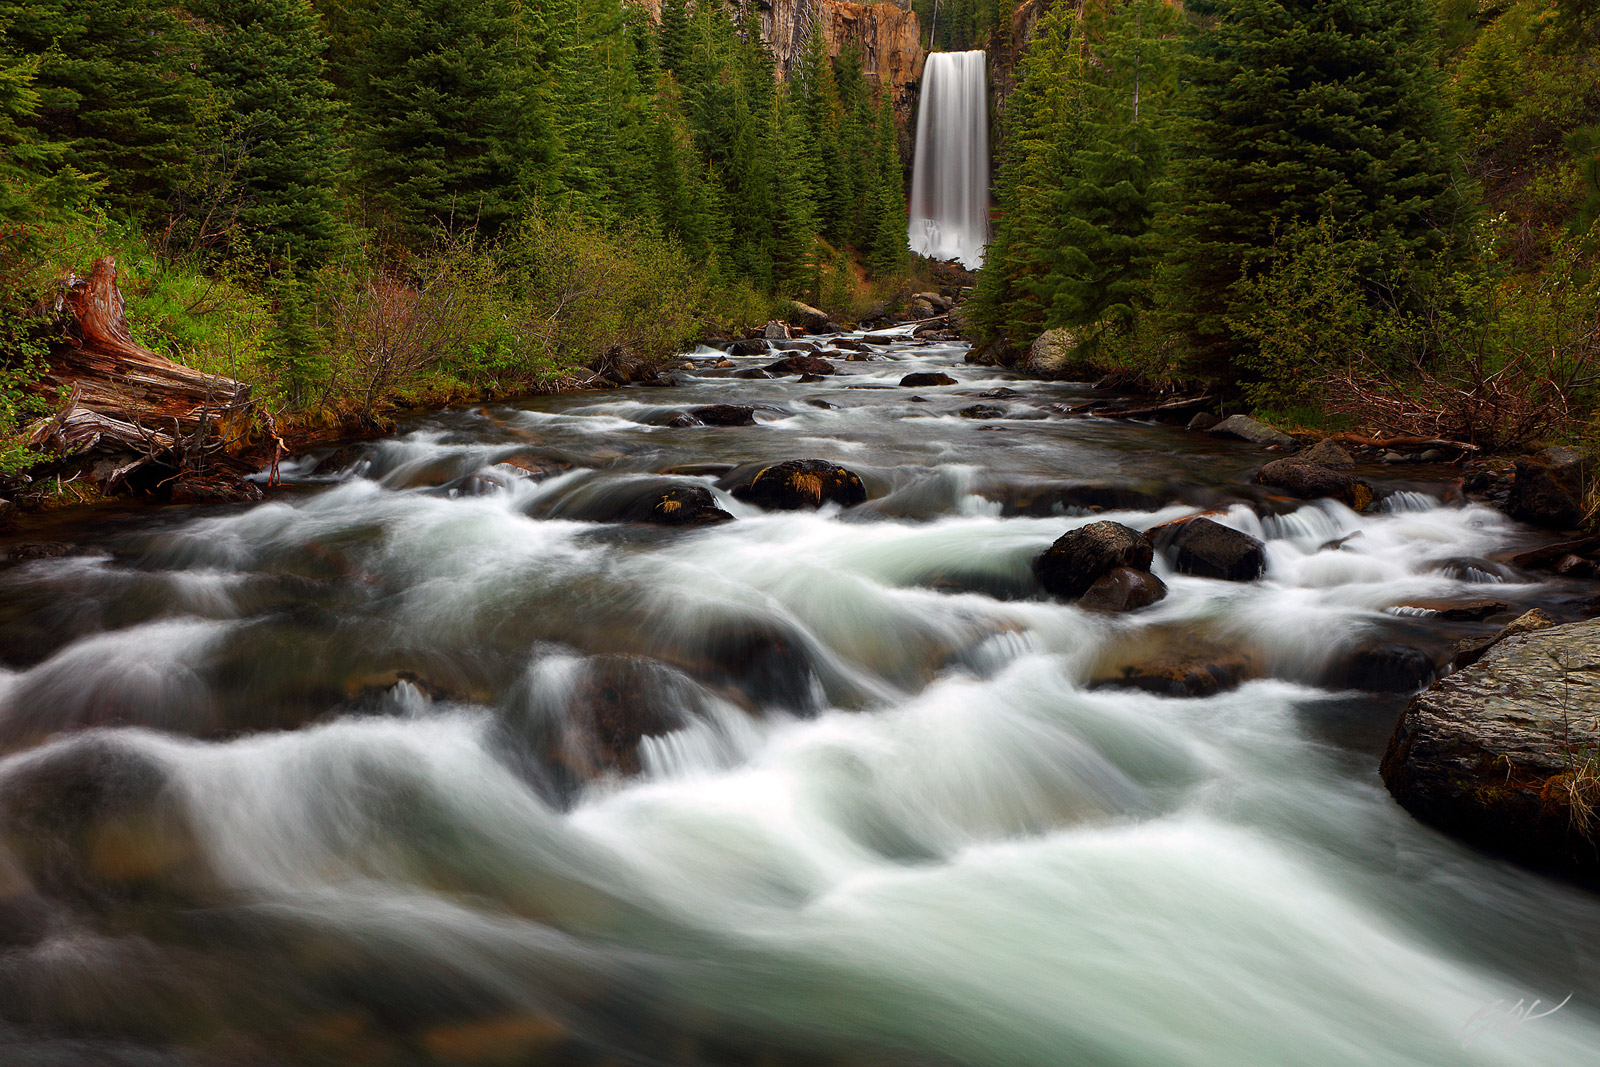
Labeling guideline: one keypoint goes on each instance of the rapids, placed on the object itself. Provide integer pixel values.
(307, 782)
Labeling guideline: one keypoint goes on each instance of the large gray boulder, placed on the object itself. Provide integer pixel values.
(1505, 753)
(1245, 428)
(1053, 353)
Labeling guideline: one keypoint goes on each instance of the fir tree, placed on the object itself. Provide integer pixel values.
(440, 114)
(116, 90)
(1300, 110)
(265, 59)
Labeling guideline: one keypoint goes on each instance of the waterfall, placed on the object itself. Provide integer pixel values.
(950, 176)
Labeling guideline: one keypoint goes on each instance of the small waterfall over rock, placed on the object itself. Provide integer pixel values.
(949, 208)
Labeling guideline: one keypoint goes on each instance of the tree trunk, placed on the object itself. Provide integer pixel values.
(115, 376)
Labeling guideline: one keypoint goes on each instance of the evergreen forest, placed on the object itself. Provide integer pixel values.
(352, 203)
(1331, 211)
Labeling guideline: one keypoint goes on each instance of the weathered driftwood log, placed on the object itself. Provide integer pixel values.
(115, 377)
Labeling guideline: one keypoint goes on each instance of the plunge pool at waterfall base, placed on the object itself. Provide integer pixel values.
(336, 778)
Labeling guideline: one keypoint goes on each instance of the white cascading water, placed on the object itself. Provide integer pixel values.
(283, 777)
(950, 177)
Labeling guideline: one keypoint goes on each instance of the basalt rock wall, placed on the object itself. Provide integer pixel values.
(888, 34)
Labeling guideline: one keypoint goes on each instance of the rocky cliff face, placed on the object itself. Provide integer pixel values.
(888, 34)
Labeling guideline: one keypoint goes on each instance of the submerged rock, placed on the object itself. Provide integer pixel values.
(1209, 549)
(797, 484)
(1123, 589)
(1309, 481)
(1079, 558)
(1382, 668)
(922, 378)
(1505, 753)
(982, 411)
(1245, 428)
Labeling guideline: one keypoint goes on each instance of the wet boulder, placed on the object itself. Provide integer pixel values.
(1310, 481)
(658, 501)
(1382, 668)
(752, 372)
(813, 320)
(801, 364)
(725, 415)
(923, 378)
(1475, 610)
(1325, 453)
(798, 484)
(1244, 428)
(1199, 676)
(1079, 558)
(1502, 752)
(982, 411)
(1201, 422)
(747, 347)
(1208, 549)
(1123, 589)
(681, 505)
(1538, 497)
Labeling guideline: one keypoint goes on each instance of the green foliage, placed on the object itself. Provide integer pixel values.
(441, 114)
(277, 151)
(1295, 110)
(117, 92)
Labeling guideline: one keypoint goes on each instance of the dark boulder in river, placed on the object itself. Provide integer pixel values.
(1309, 481)
(1539, 497)
(747, 347)
(1505, 753)
(1123, 589)
(725, 414)
(1383, 668)
(1209, 549)
(683, 505)
(922, 378)
(801, 364)
(1079, 558)
(797, 484)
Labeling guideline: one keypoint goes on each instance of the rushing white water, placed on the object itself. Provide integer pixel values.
(949, 209)
(306, 782)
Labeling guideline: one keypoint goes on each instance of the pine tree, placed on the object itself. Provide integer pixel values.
(265, 59)
(1101, 277)
(887, 200)
(116, 90)
(441, 114)
(1300, 110)
(674, 37)
(35, 183)
(1045, 130)
(295, 354)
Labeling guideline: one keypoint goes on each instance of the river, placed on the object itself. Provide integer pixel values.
(314, 781)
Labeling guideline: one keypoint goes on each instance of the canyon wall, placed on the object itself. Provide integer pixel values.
(888, 34)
